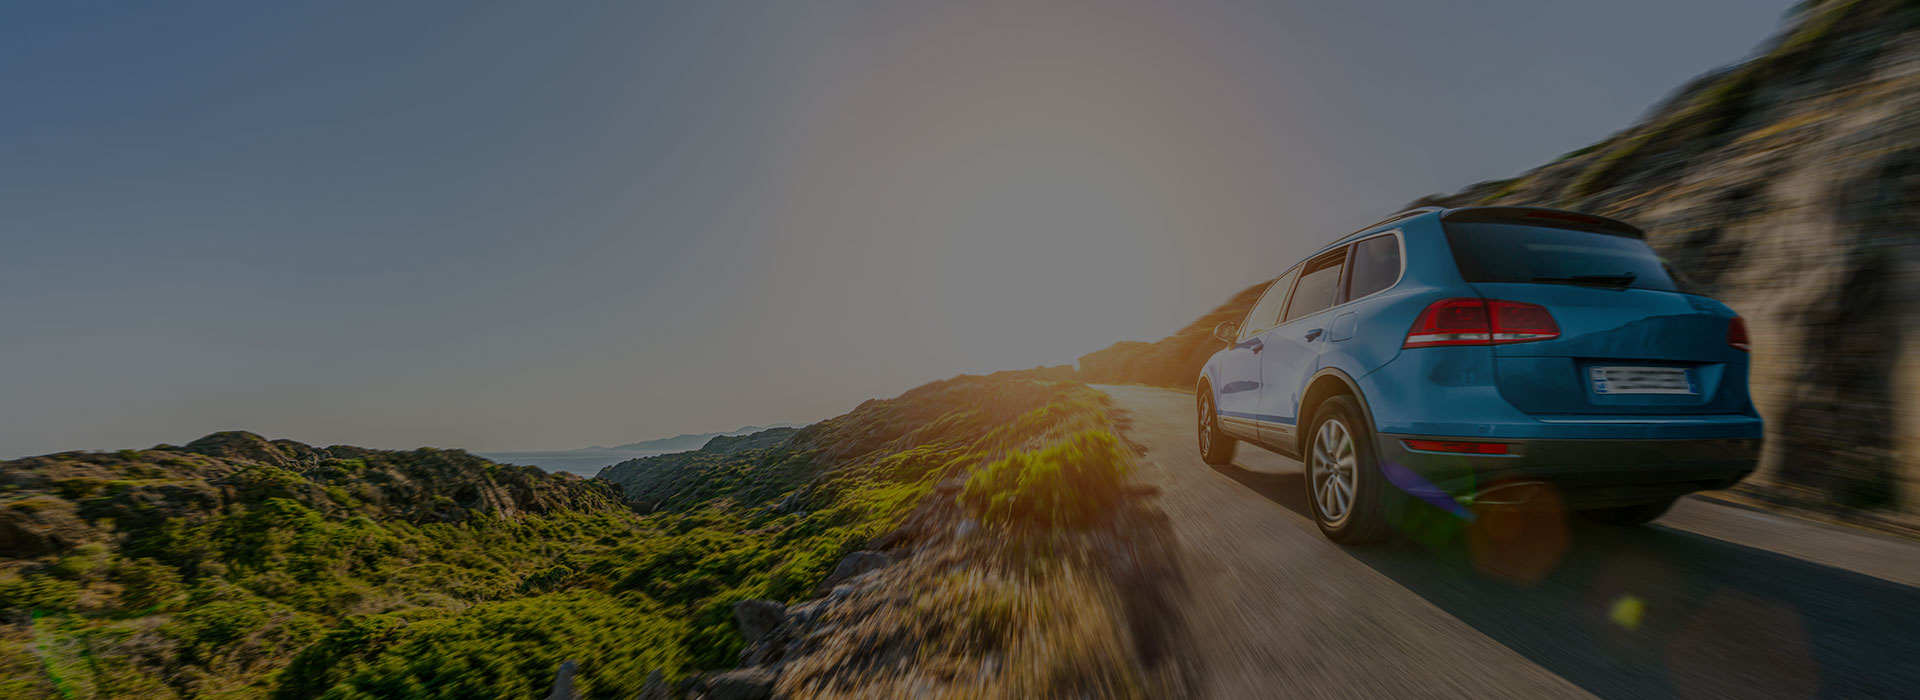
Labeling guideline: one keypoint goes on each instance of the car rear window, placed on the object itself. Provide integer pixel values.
(1488, 252)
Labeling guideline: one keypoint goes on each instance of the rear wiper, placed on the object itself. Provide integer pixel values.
(1619, 281)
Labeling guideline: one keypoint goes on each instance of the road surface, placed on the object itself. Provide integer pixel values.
(1710, 601)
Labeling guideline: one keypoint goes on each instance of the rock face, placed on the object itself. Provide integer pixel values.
(655, 688)
(742, 684)
(1788, 187)
(853, 565)
(563, 682)
(758, 618)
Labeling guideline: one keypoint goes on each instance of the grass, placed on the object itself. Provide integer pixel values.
(1071, 484)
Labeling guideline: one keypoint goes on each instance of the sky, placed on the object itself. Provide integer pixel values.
(501, 226)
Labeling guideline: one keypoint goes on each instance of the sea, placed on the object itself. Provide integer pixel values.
(583, 462)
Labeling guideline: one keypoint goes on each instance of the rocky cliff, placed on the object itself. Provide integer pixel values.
(1789, 187)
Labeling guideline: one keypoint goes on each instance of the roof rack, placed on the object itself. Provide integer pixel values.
(1416, 211)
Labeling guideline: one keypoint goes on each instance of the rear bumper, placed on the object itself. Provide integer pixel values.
(1588, 473)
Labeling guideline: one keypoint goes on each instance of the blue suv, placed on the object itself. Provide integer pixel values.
(1485, 355)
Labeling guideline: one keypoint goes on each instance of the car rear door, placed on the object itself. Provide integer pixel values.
(1292, 349)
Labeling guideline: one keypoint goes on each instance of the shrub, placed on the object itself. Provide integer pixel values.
(1068, 485)
(38, 592)
(86, 563)
(509, 649)
(147, 584)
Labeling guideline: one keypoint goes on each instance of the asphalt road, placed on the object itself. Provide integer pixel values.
(1711, 601)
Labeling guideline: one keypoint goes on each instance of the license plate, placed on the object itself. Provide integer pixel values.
(1641, 380)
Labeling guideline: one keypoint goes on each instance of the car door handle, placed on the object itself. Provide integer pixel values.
(1315, 333)
(1258, 345)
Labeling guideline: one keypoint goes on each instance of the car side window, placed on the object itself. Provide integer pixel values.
(1319, 285)
(1266, 312)
(1375, 265)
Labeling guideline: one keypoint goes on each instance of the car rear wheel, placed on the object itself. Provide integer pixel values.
(1215, 447)
(1628, 516)
(1345, 489)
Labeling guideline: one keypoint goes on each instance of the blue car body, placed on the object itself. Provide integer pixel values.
(1634, 392)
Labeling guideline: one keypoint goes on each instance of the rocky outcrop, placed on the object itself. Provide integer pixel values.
(563, 682)
(1787, 186)
(62, 496)
(853, 565)
(777, 634)
(655, 688)
(739, 684)
(758, 619)
(237, 445)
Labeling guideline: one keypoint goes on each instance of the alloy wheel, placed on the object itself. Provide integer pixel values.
(1206, 425)
(1332, 471)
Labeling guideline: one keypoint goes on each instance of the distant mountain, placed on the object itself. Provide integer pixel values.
(692, 441)
(587, 461)
(642, 477)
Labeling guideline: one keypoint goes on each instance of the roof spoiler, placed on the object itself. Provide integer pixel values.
(1540, 216)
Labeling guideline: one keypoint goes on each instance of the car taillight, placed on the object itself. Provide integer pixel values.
(1481, 322)
(1737, 335)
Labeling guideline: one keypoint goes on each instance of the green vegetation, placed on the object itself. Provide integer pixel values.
(1019, 592)
(237, 567)
(1070, 484)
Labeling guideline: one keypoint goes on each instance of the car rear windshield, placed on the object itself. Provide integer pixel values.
(1488, 252)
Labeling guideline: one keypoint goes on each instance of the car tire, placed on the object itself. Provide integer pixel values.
(1629, 516)
(1346, 492)
(1215, 447)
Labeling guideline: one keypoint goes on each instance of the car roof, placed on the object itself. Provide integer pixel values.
(1534, 216)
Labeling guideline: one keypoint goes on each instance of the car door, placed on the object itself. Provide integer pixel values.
(1239, 369)
(1291, 350)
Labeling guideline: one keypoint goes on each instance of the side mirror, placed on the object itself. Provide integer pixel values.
(1227, 331)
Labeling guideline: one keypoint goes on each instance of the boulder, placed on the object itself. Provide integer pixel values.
(758, 618)
(853, 565)
(655, 688)
(563, 683)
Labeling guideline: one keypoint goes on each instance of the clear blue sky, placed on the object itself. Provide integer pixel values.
(534, 225)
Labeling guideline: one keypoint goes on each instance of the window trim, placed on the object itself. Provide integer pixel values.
(1339, 283)
(1346, 283)
(1246, 332)
(1398, 235)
